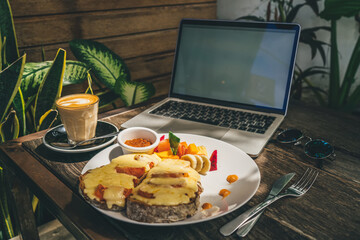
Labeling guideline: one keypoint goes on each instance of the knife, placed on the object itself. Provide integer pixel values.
(278, 185)
(276, 189)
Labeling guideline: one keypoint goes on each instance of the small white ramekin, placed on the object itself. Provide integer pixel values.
(138, 132)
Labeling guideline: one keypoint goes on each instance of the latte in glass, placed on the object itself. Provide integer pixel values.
(79, 114)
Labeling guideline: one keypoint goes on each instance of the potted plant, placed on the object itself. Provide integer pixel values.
(340, 96)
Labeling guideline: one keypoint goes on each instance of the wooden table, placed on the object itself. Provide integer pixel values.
(330, 210)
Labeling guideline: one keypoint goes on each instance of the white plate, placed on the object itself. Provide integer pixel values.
(231, 160)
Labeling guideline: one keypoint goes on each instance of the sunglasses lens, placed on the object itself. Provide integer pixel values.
(318, 149)
(289, 136)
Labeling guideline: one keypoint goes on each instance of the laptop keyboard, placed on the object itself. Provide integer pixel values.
(228, 118)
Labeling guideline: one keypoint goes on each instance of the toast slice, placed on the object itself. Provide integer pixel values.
(170, 192)
(108, 186)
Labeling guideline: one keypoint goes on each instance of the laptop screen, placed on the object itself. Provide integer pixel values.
(238, 64)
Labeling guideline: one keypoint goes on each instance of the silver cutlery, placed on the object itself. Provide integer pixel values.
(278, 186)
(296, 190)
(64, 145)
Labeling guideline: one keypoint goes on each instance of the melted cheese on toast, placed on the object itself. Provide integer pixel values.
(171, 182)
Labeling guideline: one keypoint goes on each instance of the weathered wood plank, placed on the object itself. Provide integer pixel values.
(46, 7)
(150, 66)
(128, 46)
(21, 196)
(52, 29)
(329, 125)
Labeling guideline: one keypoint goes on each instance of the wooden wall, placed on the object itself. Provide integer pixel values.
(142, 32)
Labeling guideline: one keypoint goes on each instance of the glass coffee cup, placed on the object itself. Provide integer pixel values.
(79, 114)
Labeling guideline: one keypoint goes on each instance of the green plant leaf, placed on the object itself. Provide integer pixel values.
(292, 14)
(50, 88)
(335, 9)
(108, 67)
(334, 84)
(106, 98)
(75, 72)
(48, 119)
(9, 128)
(349, 77)
(111, 70)
(308, 37)
(354, 100)
(10, 79)
(34, 73)
(19, 107)
(7, 30)
(4, 208)
(134, 92)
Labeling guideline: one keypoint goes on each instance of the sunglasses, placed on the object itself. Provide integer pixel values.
(317, 149)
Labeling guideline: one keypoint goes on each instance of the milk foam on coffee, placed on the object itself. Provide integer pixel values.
(78, 113)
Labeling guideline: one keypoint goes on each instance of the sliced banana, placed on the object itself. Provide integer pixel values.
(199, 163)
(206, 165)
(191, 158)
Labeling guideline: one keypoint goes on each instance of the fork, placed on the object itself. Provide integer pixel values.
(296, 190)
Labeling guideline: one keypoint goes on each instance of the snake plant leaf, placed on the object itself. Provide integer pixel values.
(9, 128)
(19, 107)
(335, 9)
(108, 67)
(7, 30)
(10, 79)
(47, 120)
(8, 231)
(34, 73)
(134, 92)
(50, 88)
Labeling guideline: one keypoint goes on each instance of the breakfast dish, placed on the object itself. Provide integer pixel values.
(108, 186)
(231, 160)
(58, 134)
(169, 193)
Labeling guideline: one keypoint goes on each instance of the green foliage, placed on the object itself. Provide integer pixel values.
(47, 119)
(9, 128)
(112, 71)
(7, 31)
(4, 209)
(335, 9)
(10, 79)
(133, 92)
(27, 94)
(105, 64)
(339, 95)
(50, 88)
(286, 11)
(34, 73)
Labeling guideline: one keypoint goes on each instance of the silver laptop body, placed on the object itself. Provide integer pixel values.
(228, 68)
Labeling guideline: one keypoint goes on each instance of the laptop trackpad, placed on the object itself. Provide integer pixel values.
(183, 126)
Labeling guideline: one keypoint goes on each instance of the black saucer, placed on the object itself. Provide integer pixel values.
(58, 134)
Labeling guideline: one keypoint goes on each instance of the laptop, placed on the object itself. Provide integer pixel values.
(231, 81)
